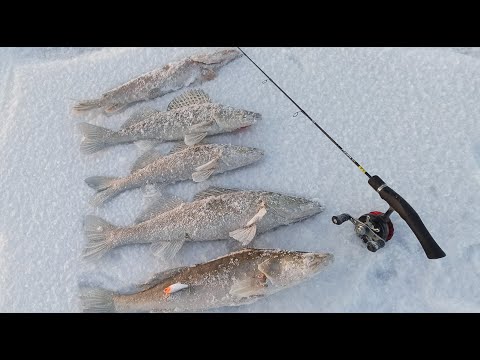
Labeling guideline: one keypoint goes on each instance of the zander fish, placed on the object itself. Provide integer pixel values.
(197, 162)
(190, 117)
(192, 70)
(215, 214)
(239, 278)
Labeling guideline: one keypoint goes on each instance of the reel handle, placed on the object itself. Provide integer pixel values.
(407, 213)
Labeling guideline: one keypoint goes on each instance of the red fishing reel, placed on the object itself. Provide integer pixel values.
(374, 228)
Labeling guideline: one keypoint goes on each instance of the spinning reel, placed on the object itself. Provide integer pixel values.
(374, 228)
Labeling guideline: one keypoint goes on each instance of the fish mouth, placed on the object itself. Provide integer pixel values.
(251, 119)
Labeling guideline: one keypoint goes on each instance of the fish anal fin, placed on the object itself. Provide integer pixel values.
(167, 249)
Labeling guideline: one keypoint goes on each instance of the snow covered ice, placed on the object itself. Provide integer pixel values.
(409, 115)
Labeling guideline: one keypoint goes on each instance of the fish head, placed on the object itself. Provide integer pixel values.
(286, 268)
(237, 156)
(231, 119)
(217, 59)
(292, 208)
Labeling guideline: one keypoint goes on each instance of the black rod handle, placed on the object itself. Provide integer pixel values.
(403, 208)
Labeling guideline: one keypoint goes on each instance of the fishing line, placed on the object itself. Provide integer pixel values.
(308, 116)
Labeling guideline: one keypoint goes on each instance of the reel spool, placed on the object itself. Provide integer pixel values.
(374, 228)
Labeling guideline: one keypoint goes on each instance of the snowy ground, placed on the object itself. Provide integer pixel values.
(409, 115)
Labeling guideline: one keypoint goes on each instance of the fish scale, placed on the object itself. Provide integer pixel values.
(238, 278)
(189, 71)
(227, 213)
(182, 163)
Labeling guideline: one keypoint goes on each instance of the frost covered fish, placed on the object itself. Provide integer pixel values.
(197, 162)
(236, 279)
(192, 70)
(215, 214)
(190, 117)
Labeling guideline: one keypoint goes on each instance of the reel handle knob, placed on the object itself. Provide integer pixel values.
(403, 208)
(340, 219)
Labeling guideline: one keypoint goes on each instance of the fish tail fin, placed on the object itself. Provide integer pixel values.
(96, 231)
(95, 138)
(85, 105)
(105, 188)
(98, 301)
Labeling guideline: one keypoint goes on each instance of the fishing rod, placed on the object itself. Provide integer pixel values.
(375, 228)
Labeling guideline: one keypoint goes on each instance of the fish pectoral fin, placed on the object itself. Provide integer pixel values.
(145, 159)
(138, 116)
(192, 139)
(201, 127)
(248, 288)
(114, 108)
(270, 268)
(204, 171)
(167, 249)
(212, 164)
(160, 203)
(208, 74)
(189, 97)
(199, 176)
(245, 235)
(259, 215)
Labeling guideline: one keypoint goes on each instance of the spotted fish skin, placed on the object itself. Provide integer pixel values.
(189, 123)
(197, 162)
(239, 278)
(215, 214)
(190, 71)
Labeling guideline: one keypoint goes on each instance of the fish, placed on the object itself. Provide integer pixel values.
(189, 71)
(190, 117)
(197, 162)
(239, 278)
(214, 214)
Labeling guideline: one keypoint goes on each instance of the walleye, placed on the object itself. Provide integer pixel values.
(190, 117)
(238, 278)
(197, 162)
(192, 70)
(215, 214)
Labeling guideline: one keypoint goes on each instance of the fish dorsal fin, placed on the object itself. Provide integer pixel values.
(213, 191)
(145, 159)
(178, 147)
(160, 203)
(189, 97)
(159, 277)
(138, 116)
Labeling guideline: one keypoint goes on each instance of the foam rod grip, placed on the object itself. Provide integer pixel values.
(407, 213)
